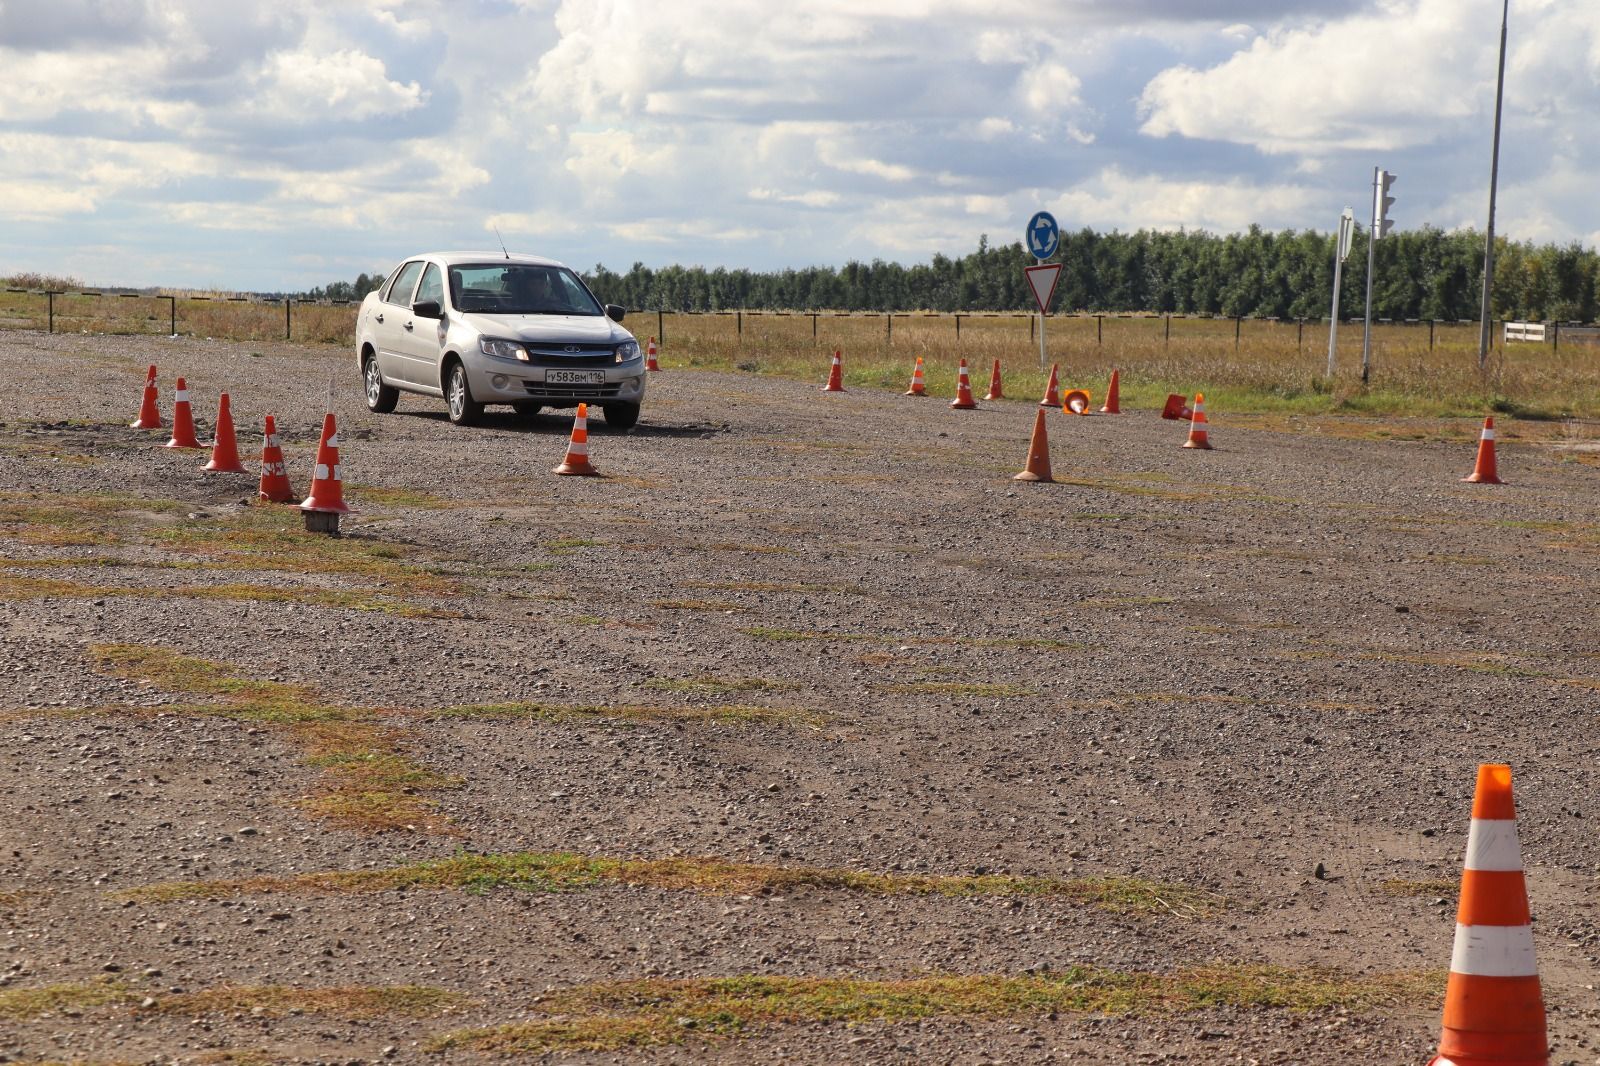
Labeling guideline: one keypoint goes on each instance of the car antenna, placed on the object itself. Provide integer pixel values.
(501, 239)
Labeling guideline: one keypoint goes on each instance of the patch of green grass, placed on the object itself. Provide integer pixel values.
(656, 1012)
(566, 545)
(1437, 887)
(566, 871)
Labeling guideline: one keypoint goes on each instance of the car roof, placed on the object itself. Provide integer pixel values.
(485, 258)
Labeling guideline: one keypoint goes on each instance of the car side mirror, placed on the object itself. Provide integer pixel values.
(427, 309)
(615, 312)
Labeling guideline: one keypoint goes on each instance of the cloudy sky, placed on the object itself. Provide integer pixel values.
(276, 146)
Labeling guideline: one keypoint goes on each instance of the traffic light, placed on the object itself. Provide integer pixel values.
(1382, 201)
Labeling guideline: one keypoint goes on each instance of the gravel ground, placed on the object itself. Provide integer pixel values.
(1267, 671)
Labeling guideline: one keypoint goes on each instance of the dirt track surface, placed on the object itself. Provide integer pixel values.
(1223, 670)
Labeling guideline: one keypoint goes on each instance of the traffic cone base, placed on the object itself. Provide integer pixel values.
(1076, 401)
(1177, 408)
(1199, 436)
(149, 409)
(1038, 468)
(182, 420)
(963, 400)
(1113, 405)
(225, 448)
(1486, 471)
(918, 386)
(835, 375)
(327, 482)
(1052, 390)
(994, 383)
(275, 487)
(576, 464)
(1493, 1003)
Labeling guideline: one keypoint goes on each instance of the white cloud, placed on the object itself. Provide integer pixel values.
(297, 86)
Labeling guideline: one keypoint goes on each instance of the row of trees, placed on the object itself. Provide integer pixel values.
(1424, 273)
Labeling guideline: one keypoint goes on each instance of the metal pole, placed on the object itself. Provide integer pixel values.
(1099, 326)
(288, 322)
(1041, 340)
(738, 322)
(661, 329)
(1494, 179)
(1333, 324)
(1430, 334)
(958, 327)
(1168, 338)
(1238, 324)
(50, 302)
(1372, 246)
(172, 314)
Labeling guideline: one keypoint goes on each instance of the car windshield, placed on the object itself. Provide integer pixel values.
(519, 289)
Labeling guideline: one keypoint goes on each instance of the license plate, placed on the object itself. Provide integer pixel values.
(575, 377)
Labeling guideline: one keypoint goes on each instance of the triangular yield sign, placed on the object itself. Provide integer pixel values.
(1042, 279)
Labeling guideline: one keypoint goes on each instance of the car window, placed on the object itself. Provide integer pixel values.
(432, 288)
(404, 282)
(519, 289)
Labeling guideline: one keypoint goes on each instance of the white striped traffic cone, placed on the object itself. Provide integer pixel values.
(577, 460)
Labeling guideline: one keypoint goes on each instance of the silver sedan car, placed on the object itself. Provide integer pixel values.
(479, 328)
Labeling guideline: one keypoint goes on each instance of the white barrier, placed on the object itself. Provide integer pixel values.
(1524, 331)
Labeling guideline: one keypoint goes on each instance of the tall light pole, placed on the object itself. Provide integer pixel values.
(1494, 179)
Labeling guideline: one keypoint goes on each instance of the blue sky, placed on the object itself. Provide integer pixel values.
(283, 145)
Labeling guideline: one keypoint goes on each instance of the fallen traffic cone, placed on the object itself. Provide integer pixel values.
(994, 383)
(149, 412)
(1197, 428)
(327, 483)
(917, 387)
(1038, 468)
(1486, 471)
(1076, 401)
(1052, 395)
(1113, 396)
(963, 400)
(182, 420)
(577, 460)
(1177, 408)
(275, 487)
(1493, 1006)
(650, 356)
(835, 376)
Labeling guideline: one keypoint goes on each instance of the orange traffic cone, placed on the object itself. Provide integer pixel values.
(1486, 472)
(994, 383)
(917, 387)
(1038, 468)
(650, 356)
(577, 460)
(327, 483)
(1052, 394)
(1177, 408)
(1493, 1006)
(182, 420)
(1197, 428)
(963, 400)
(275, 487)
(1113, 396)
(1076, 401)
(835, 376)
(225, 449)
(149, 412)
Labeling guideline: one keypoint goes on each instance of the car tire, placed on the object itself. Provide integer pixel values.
(527, 409)
(621, 415)
(462, 408)
(381, 397)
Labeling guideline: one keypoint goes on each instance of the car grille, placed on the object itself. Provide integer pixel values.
(544, 390)
(585, 355)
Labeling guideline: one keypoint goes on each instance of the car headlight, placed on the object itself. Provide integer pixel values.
(627, 351)
(504, 349)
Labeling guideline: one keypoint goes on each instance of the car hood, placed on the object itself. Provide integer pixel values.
(535, 329)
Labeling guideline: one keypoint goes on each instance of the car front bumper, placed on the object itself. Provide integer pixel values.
(502, 381)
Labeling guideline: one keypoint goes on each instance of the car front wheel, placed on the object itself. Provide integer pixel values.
(381, 398)
(621, 415)
(464, 410)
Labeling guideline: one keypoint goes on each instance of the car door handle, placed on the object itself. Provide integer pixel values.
(408, 327)
(379, 317)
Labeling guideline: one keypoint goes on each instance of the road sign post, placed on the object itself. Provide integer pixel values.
(1043, 238)
(1381, 225)
(1341, 251)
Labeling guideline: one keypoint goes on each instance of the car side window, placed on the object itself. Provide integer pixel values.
(404, 282)
(432, 287)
